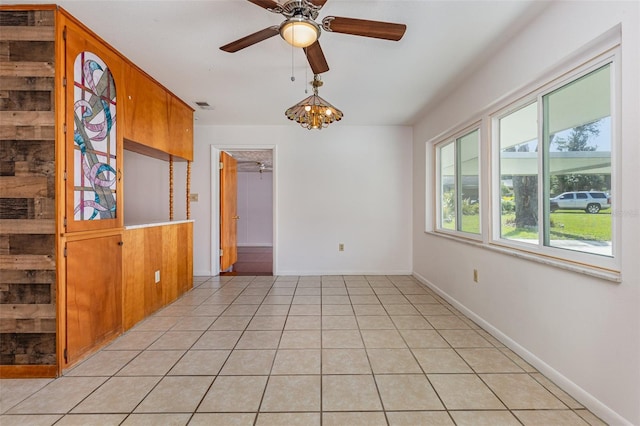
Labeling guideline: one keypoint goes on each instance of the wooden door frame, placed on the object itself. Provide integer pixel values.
(215, 201)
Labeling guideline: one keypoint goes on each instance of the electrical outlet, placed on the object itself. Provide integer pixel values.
(475, 275)
(341, 247)
(157, 277)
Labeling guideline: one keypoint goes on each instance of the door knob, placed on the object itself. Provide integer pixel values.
(236, 217)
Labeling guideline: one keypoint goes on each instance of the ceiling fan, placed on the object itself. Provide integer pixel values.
(301, 30)
(254, 166)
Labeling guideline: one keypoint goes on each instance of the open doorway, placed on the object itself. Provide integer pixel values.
(254, 231)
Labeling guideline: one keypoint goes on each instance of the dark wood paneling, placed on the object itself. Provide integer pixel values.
(27, 193)
(16, 208)
(27, 348)
(25, 294)
(31, 51)
(22, 100)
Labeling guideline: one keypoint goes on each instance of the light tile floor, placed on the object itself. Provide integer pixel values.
(331, 350)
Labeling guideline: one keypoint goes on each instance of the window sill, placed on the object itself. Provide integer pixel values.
(604, 274)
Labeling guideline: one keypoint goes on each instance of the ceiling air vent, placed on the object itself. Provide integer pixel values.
(204, 105)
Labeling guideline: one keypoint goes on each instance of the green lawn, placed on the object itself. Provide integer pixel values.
(470, 223)
(565, 225)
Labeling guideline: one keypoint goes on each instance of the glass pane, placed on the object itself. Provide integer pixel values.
(469, 196)
(519, 175)
(447, 187)
(578, 148)
(95, 139)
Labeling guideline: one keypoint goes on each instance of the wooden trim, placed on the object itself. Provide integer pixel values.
(29, 7)
(28, 371)
(85, 235)
(60, 184)
(148, 151)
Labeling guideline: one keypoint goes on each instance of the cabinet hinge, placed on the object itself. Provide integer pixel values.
(64, 221)
(65, 252)
(64, 81)
(64, 33)
(221, 165)
(65, 175)
(64, 354)
(221, 252)
(64, 128)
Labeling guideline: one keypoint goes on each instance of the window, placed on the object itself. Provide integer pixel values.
(459, 184)
(577, 150)
(518, 139)
(556, 193)
(551, 169)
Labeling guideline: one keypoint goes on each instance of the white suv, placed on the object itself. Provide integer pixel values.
(589, 201)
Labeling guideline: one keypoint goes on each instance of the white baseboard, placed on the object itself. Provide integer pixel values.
(582, 396)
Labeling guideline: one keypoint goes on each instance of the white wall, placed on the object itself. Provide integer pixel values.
(255, 208)
(583, 332)
(343, 184)
(146, 191)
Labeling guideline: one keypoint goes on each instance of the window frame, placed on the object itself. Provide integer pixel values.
(604, 49)
(583, 259)
(453, 138)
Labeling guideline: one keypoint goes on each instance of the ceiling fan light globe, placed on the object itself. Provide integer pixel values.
(299, 31)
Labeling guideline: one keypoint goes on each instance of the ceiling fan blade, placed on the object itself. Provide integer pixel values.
(318, 3)
(266, 4)
(316, 58)
(363, 27)
(250, 40)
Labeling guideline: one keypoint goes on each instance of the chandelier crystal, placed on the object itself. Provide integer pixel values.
(314, 112)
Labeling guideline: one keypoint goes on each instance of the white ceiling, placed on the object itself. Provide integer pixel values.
(372, 81)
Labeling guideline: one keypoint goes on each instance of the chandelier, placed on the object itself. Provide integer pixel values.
(314, 112)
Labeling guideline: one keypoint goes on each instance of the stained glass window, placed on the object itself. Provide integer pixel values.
(94, 137)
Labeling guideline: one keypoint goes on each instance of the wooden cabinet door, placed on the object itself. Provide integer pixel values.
(93, 74)
(180, 129)
(146, 110)
(93, 294)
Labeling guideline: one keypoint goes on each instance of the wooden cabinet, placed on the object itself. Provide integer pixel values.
(166, 249)
(93, 294)
(146, 113)
(180, 129)
(72, 101)
(157, 123)
(93, 91)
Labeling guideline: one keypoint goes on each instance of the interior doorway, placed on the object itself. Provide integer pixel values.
(254, 222)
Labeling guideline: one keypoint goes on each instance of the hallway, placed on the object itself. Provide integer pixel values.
(331, 350)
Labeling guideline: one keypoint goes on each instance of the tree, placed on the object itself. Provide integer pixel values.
(578, 139)
(525, 196)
